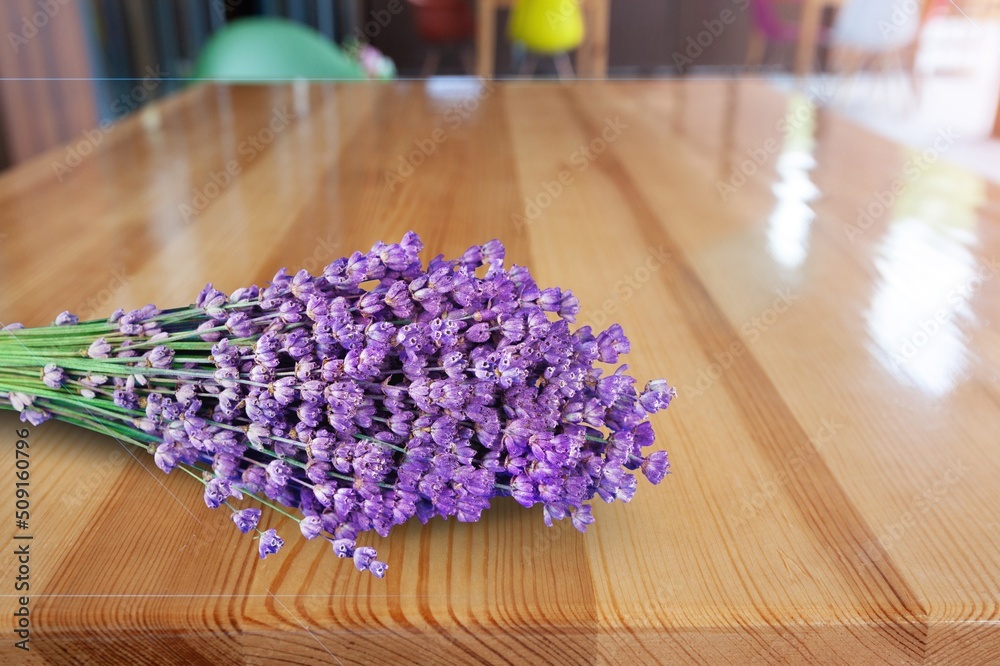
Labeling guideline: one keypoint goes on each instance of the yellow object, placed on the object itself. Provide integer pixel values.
(547, 26)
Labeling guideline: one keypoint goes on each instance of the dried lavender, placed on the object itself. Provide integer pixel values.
(357, 399)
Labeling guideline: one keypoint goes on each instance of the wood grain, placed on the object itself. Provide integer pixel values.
(834, 441)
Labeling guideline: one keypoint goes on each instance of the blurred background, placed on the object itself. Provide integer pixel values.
(903, 67)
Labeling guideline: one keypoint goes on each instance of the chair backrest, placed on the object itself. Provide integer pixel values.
(444, 21)
(272, 49)
(547, 26)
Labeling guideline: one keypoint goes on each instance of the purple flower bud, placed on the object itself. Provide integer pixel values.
(210, 297)
(363, 556)
(644, 435)
(66, 318)
(53, 376)
(216, 492)
(378, 568)
(569, 306)
(278, 472)
(246, 519)
(270, 543)
(207, 334)
(310, 526)
(325, 492)
(344, 548)
(493, 253)
(239, 325)
(581, 517)
(35, 417)
(657, 396)
(550, 299)
(611, 343)
(160, 357)
(99, 348)
(283, 390)
(166, 457)
(478, 333)
(244, 294)
(20, 401)
(655, 466)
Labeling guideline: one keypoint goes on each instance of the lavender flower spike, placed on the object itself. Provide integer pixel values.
(379, 391)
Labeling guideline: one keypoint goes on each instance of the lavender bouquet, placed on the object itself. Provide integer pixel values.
(356, 400)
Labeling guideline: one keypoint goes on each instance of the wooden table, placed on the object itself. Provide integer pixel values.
(834, 496)
(592, 56)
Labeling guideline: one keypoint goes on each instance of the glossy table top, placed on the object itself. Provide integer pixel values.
(828, 320)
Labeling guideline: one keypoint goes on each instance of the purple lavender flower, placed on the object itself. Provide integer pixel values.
(376, 392)
(343, 547)
(363, 557)
(99, 348)
(655, 466)
(657, 396)
(216, 492)
(270, 543)
(246, 519)
(66, 318)
(311, 526)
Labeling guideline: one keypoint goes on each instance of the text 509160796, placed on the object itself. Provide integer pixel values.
(22, 539)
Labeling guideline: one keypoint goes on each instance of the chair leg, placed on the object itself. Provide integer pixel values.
(564, 66)
(431, 62)
(468, 59)
(528, 65)
(756, 49)
(847, 63)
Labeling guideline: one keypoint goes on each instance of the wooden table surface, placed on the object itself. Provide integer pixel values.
(834, 442)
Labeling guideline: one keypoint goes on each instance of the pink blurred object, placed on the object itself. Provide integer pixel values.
(767, 20)
(768, 27)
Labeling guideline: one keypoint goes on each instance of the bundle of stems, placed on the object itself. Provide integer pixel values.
(352, 401)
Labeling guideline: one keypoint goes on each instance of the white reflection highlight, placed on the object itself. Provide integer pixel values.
(927, 276)
(790, 222)
(450, 89)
